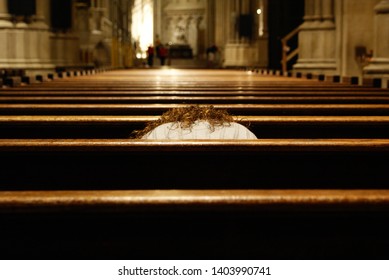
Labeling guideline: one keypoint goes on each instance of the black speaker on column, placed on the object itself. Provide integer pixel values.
(245, 25)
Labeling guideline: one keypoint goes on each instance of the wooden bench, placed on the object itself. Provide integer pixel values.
(193, 87)
(108, 201)
(120, 199)
(195, 99)
(175, 224)
(189, 92)
(235, 109)
(131, 199)
(88, 164)
(65, 126)
(238, 82)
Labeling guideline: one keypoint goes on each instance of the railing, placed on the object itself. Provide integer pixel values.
(287, 54)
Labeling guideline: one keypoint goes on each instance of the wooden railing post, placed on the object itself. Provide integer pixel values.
(286, 54)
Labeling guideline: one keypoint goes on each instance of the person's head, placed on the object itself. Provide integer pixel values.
(186, 117)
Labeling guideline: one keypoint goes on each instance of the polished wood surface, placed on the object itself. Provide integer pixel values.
(231, 146)
(313, 186)
(158, 109)
(217, 200)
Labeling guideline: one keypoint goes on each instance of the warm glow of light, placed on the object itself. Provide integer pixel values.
(142, 24)
(260, 22)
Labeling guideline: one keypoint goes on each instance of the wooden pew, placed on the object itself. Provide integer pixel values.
(64, 126)
(112, 201)
(193, 88)
(267, 199)
(303, 225)
(127, 164)
(125, 199)
(194, 84)
(195, 99)
(188, 77)
(234, 109)
(196, 88)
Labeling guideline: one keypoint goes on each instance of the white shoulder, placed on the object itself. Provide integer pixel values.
(201, 130)
(160, 132)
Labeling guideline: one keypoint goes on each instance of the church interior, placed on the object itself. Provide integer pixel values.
(309, 78)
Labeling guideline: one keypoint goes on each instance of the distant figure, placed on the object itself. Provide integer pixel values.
(157, 44)
(212, 49)
(211, 55)
(194, 122)
(150, 56)
(163, 54)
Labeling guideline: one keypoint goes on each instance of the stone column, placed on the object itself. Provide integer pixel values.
(65, 44)
(305, 35)
(328, 11)
(193, 33)
(263, 35)
(6, 27)
(221, 18)
(234, 14)
(309, 11)
(317, 41)
(42, 11)
(158, 21)
(328, 32)
(40, 48)
(242, 51)
(317, 8)
(244, 10)
(210, 23)
(245, 6)
(5, 18)
(263, 5)
(379, 64)
(21, 44)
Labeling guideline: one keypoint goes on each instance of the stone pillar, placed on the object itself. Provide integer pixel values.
(40, 36)
(210, 22)
(317, 38)
(21, 45)
(317, 42)
(65, 44)
(233, 16)
(5, 18)
(158, 21)
(316, 10)
(263, 35)
(222, 19)
(242, 51)
(42, 11)
(309, 11)
(305, 35)
(379, 64)
(245, 6)
(263, 19)
(328, 31)
(328, 11)
(6, 27)
(193, 33)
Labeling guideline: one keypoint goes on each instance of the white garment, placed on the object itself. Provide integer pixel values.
(200, 130)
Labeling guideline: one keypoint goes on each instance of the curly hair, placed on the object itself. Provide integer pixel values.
(186, 117)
